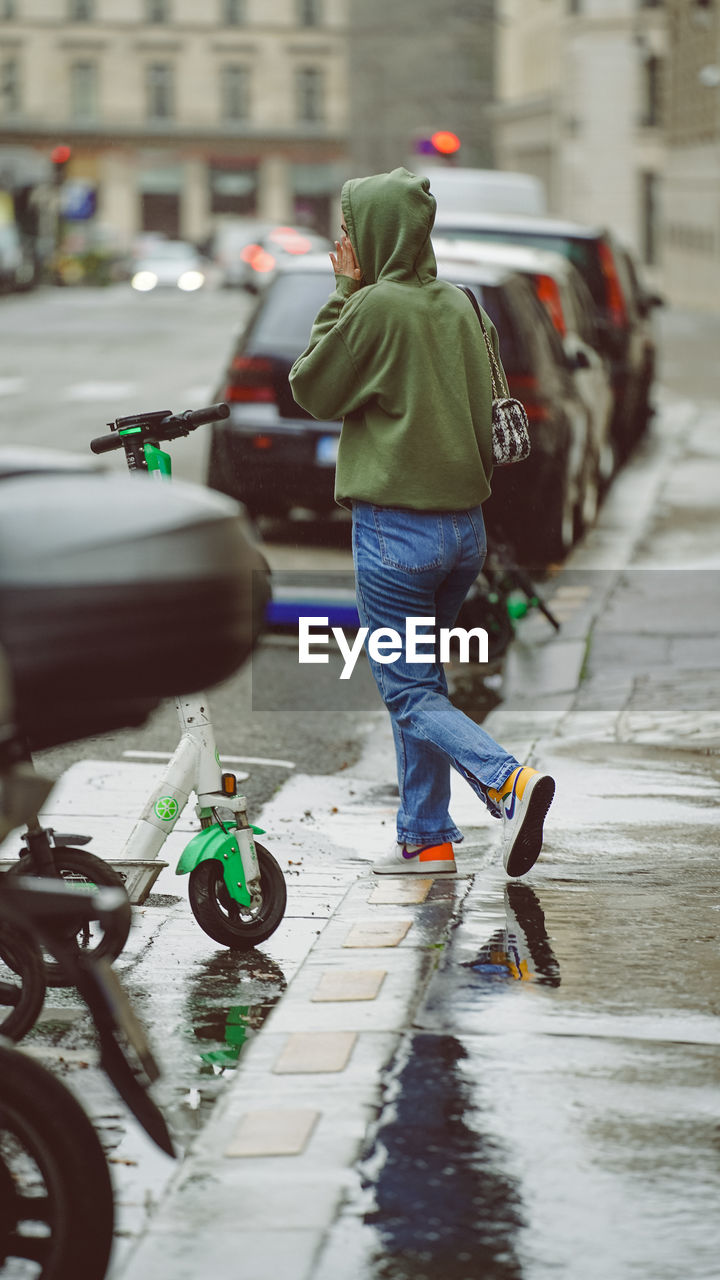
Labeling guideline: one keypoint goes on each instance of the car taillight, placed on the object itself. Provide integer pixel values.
(549, 294)
(526, 389)
(614, 299)
(250, 381)
(258, 258)
(290, 240)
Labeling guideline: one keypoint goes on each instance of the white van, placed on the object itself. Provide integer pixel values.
(486, 191)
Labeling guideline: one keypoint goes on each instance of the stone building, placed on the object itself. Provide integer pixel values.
(581, 104)
(179, 112)
(416, 67)
(691, 191)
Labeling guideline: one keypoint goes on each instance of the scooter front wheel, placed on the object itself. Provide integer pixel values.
(226, 920)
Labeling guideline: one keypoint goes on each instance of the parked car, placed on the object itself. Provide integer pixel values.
(624, 307)
(272, 456)
(536, 506)
(168, 264)
(248, 251)
(567, 300)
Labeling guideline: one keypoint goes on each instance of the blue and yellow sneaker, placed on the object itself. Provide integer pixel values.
(525, 799)
(419, 860)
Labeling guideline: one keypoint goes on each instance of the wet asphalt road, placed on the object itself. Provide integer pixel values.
(501, 1151)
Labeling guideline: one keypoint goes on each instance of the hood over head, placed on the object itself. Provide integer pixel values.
(389, 217)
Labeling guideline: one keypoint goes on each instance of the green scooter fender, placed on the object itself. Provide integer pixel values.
(215, 842)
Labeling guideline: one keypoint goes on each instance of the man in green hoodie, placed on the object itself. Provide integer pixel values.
(397, 354)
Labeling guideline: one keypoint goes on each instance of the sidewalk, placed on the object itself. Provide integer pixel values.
(617, 1058)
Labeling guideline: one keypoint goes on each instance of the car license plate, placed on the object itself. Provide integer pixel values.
(326, 451)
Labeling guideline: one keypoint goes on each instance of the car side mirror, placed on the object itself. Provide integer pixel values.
(577, 358)
(647, 301)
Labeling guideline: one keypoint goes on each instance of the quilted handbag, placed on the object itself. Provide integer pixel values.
(510, 433)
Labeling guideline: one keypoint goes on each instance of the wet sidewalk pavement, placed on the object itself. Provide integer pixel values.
(475, 1077)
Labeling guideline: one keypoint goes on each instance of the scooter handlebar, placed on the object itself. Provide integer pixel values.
(213, 413)
(158, 426)
(105, 444)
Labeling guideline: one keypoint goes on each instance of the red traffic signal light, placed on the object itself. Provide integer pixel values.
(440, 143)
(60, 156)
(445, 143)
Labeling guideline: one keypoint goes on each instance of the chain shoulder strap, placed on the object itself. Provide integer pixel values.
(498, 390)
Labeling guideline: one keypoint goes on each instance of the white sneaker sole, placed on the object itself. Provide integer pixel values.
(527, 842)
(413, 867)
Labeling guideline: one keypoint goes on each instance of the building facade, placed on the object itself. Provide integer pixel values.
(581, 102)
(178, 113)
(416, 67)
(691, 192)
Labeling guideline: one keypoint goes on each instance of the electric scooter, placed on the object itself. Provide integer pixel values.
(236, 888)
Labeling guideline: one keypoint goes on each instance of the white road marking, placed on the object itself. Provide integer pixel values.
(12, 386)
(166, 755)
(99, 390)
(195, 396)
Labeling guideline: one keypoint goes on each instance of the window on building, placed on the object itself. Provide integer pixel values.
(160, 91)
(10, 87)
(81, 10)
(651, 4)
(652, 93)
(232, 190)
(233, 13)
(157, 11)
(235, 92)
(574, 6)
(309, 13)
(310, 84)
(83, 91)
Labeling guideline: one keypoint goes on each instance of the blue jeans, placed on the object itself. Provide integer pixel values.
(422, 564)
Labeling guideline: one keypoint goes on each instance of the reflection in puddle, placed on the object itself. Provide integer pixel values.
(442, 1205)
(229, 998)
(440, 1192)
(521, 950)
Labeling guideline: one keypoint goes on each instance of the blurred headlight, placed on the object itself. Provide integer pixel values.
(144, 281)
(191, 280)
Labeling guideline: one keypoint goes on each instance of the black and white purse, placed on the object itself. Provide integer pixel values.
(510, 433)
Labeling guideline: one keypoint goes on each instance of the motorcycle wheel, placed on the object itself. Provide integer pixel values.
(22, 981)
(77, 866)
(224, 919)
(56, 1201)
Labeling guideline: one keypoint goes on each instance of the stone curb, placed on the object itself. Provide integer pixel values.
(267, 1173)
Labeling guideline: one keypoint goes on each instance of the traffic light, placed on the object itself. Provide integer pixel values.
(60, 157)
(440, 143)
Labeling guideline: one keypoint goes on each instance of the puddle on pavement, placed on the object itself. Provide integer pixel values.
(228, 999)
(533, 1125)
(520, 951)
(440, 1201)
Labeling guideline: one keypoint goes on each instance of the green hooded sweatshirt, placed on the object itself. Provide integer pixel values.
(401, 359)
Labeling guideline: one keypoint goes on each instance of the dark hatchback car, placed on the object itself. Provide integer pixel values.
(623, 307)
(272, 456)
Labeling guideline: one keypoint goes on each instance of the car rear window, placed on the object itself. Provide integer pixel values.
(583, 253)
(286, 314)
(494, 302)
